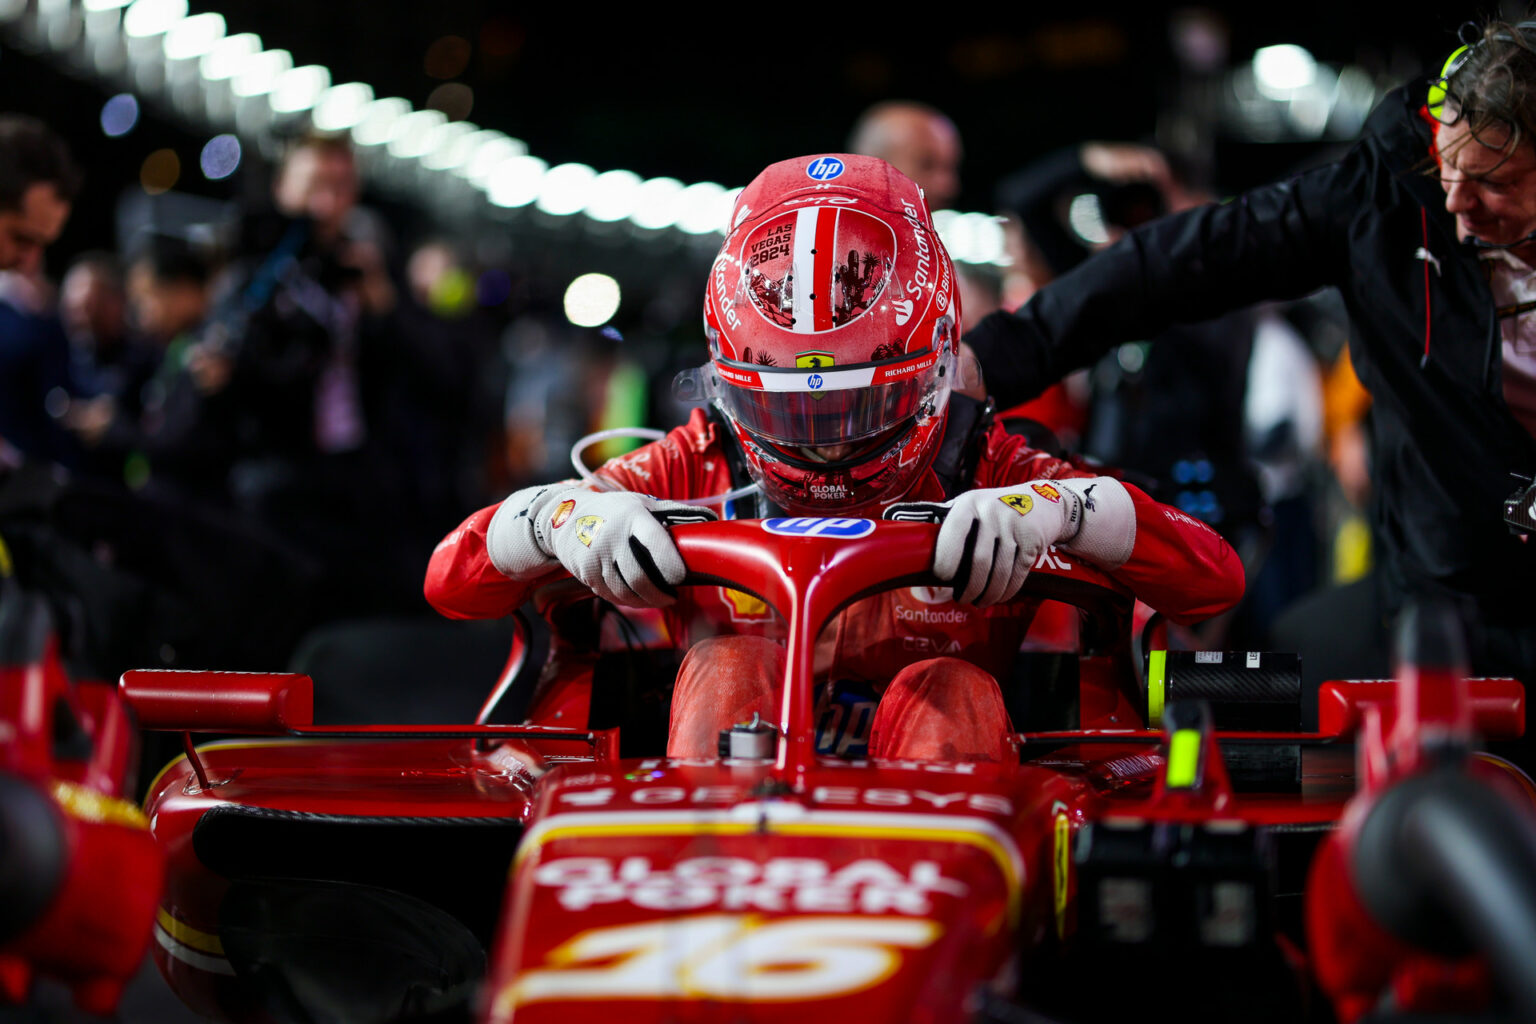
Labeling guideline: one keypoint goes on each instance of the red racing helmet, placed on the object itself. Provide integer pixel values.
(832, 314)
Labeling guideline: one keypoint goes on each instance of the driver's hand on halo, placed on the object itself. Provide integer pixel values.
(991, 537)
(612, 541)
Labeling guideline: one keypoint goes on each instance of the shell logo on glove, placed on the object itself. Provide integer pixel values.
(562, 513)
(1020, 503)
(1046, 491)
(586, 528)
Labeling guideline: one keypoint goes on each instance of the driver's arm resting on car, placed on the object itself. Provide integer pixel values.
(611, 541)
(992, 537)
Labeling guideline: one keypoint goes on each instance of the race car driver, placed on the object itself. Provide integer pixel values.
(829, 386)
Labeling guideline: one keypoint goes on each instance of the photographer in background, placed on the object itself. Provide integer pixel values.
(301, 347)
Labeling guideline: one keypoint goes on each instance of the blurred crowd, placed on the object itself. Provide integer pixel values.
(215, 443)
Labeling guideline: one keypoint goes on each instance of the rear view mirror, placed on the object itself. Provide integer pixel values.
(257, 703)
(1498, 706)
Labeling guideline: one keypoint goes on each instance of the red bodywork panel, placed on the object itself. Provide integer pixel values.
(93, 926)
(792, 888)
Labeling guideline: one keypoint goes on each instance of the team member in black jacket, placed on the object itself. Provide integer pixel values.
(1428, 229)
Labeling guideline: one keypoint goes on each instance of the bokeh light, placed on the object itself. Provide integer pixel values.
(160, 171)
(613, 195)
(220, 157)
(565, 189)
(591, 300)
(447, 57)
(516, 182)
(119, 114)
(452, 295)
(455, 99)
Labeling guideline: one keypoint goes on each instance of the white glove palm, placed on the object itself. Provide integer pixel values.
(614, 542)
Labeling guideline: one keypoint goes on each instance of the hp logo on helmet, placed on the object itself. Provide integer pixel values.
(825, 168)
(815, 381)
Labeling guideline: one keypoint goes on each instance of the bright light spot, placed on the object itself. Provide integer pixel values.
(227, 57)
(495, 149)
(119, 114)
(449, 146)
(703, 207)
(971, 237)
(299, 88)
(160, 171)
(340, 108)
(613, 196)
(591, 300)
(565, 189)
(1087, 219)
(260, 73)
(954, 233)
(991, 246)
(656, 203)
(373, 127)
(1278, 71)
(192, 37)
(408, 135)
(516, 182)
(151, 17)
(220, 157)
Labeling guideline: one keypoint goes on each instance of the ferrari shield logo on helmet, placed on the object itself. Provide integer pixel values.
(813, 360)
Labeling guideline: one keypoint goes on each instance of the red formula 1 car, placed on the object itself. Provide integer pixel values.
(362, 874)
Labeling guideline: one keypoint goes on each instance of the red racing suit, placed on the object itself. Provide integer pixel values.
(1177, 565)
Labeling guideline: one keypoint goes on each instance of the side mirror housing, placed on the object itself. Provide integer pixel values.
(256, 703)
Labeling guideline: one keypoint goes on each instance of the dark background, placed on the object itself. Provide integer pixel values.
(716, 97)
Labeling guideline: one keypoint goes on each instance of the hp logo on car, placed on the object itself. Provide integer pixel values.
(815, 381)
(814, 526)
(825, 168)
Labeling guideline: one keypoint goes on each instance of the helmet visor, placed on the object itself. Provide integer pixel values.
(815, 407)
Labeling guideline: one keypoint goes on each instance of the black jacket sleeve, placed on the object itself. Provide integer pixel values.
(1275, 242)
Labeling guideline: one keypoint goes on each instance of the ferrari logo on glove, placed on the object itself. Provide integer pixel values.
(562, 513)
(586, 528)
(1020, 503)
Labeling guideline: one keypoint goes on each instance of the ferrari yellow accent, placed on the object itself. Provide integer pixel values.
(1157, 675)
(1183, 758)
(1062, 870)
(203, 942)
(90, 805)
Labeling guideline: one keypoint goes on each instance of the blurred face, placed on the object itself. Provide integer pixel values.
(91, 304)
(927, 150)
(30, 228)
(164, 309)
(1492, 195)
(319, 183)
